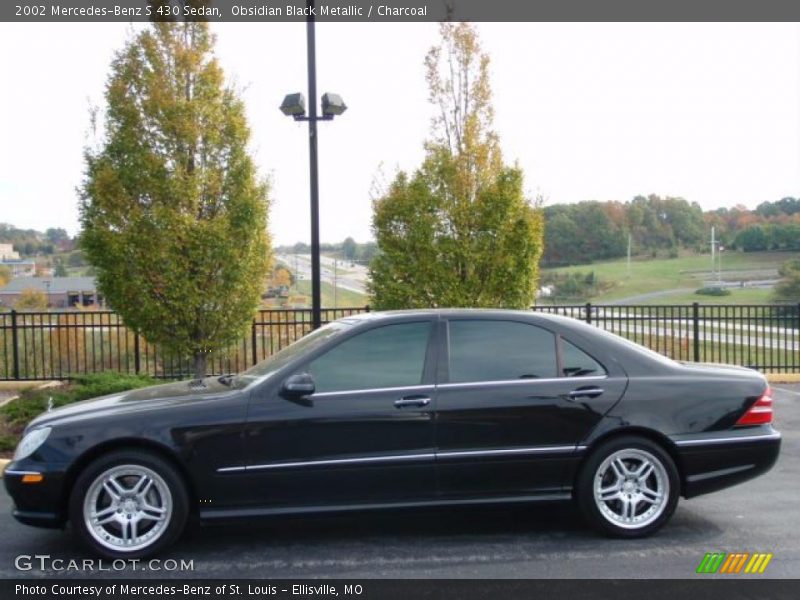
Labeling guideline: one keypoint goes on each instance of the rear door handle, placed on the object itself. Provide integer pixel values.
(416, 401)
(590, 392)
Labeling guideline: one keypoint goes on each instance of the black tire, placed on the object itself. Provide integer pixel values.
(612, 516)
(168, 485)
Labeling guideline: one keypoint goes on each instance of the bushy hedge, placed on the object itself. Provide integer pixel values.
(15, 415)
(713, 291)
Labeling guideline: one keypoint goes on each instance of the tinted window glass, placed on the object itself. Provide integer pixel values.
(499, 351)
(576, 363)
(390, 356)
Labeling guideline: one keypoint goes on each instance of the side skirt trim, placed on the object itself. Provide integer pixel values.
(428, 456)
(740, 439)
(222, 513)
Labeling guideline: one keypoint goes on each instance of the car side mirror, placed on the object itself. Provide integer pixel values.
(298, 386)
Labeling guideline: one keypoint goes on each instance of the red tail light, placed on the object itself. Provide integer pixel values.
(760, 413)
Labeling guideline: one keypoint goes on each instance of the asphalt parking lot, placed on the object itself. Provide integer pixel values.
(762, 515)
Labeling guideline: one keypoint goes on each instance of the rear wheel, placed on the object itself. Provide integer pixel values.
(628, 487)
(128, 504)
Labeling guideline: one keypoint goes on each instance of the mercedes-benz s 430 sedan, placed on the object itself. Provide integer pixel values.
(406, 409)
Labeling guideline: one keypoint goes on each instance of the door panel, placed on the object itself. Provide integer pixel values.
(516, 429)
(342, 446)
(523, 435)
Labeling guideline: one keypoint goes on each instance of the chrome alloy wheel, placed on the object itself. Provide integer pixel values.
(127, 507)
(631, 488)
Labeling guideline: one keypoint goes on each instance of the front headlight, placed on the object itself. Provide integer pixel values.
(31, 442)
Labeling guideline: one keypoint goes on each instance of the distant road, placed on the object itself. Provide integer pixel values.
(346, 277)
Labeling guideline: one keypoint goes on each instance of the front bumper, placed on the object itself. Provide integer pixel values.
(41, 504)
(712, 462)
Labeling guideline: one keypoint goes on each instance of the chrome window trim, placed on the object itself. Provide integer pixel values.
(433, 386)
(406, 457)
(521, 381)
(12, 472)
(729, 440)
(428, 386)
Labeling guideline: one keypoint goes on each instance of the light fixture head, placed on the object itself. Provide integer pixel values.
(332, 105)
(294, 105)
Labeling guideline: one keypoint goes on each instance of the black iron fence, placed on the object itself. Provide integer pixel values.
(762, 336)
(59, 345)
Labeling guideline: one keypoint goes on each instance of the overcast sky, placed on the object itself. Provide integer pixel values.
(709, 112)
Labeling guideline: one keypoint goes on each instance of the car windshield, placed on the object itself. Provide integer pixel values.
(307, 343)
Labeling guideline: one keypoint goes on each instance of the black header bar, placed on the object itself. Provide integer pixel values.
(737, 588)
(398, 10)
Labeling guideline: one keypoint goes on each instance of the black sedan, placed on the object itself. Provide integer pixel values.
(405, 409)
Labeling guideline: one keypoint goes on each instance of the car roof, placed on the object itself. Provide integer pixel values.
(460, 312)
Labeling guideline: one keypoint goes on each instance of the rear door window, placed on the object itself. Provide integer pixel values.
(576, 363)
(487, 350)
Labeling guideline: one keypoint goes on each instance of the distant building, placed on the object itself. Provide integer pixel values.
(19, 267)
(61, 292)
(7, 252)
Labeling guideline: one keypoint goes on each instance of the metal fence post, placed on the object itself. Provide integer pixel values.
(15, 348)
(696, 330)
(136, 354)
(253, 341)
(589, 313)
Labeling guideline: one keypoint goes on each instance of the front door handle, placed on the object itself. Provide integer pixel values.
(416, 401)
(589, 392)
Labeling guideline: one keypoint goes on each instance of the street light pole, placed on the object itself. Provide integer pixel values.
(294, 105)
(316, 294)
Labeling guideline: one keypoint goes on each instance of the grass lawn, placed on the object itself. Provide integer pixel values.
(689, 272)
(344, 298)
(15, 415)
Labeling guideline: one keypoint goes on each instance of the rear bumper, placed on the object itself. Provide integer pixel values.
(38, 504)
(714, 462)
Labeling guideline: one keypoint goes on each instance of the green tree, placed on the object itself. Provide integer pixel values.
(174, 216)
(60, 270)
(349, 248)
(76, 259)
(788, 289)
(5, 275)
(752, 239)
(56, 235)
(31, 299)
(459, 231)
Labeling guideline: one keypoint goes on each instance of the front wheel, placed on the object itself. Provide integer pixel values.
(628, 487)
(128, 504)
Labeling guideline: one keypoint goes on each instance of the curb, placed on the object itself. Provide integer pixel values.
(787, 378)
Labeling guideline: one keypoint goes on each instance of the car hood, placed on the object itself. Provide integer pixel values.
(149, 398)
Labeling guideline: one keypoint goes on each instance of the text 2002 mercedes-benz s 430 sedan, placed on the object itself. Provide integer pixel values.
(405, 409)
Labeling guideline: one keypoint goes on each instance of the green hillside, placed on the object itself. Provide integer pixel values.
(684, 274)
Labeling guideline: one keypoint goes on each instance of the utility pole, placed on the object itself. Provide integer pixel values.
(629, 256)
(316, 292)
(294, 105)
(713, 250)
(335, 282)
